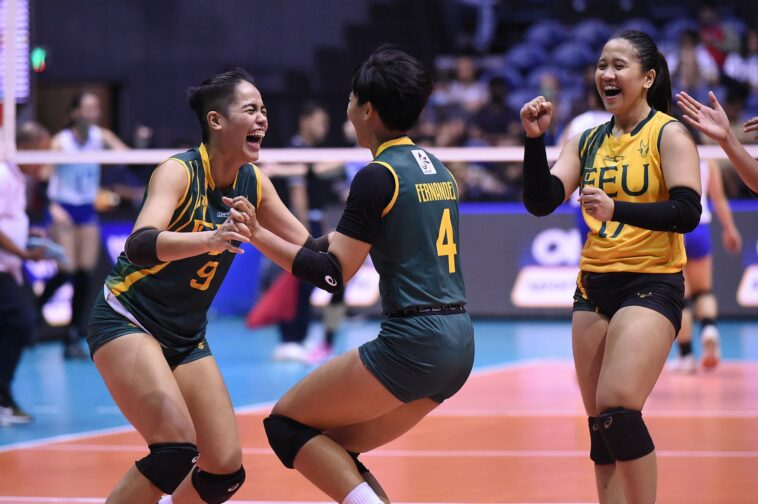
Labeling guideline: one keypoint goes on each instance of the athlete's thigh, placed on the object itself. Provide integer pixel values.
(698, 275)
(341, 392)
(638, 342)
(140, 381)
(588, 333)
(366, 436)
(212, 413)
(62, 231)
(88, 237)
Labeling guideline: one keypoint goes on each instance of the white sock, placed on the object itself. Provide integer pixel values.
(362, 494)
(166, 500)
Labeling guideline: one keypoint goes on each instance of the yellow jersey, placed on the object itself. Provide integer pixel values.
(628, 168)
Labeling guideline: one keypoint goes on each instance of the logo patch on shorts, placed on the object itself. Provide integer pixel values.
(643, 295)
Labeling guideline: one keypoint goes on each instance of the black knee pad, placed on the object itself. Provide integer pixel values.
(625, 434)
(361, 468)
(287, 436)
(598, 451)
(168, 464)
(217, 488)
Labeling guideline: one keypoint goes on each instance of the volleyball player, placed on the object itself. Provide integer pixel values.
(640, 190)
(403, 210)
(147, 329)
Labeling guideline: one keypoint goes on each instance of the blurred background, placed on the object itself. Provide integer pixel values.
(138, 58)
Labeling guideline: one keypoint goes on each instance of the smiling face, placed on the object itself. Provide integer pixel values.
(620, 79)
(244, 123)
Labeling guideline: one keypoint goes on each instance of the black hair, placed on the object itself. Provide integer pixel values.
(215, 93)
(659, 94)
(309, 108)
(397, 85)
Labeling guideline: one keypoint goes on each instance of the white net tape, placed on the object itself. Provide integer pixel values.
(445, 154)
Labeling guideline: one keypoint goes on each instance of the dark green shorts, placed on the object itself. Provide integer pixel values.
(105, 324)
(422, 356)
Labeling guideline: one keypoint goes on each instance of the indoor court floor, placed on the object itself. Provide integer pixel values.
(516, 433)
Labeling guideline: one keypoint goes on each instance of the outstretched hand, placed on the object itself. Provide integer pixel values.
(711, 121)
(536, 116)
(751, 126)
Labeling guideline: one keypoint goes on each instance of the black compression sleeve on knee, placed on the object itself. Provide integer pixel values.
(598, 451)
(141, 247)
(625, 434)
(168, 464)
(286, 436)
(217, 488)
(680, 214)
(543, 192)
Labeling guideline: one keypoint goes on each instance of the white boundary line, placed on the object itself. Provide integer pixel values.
(87, 500)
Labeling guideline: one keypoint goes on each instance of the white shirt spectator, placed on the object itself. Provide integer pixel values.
(14, 222)
(743, 69)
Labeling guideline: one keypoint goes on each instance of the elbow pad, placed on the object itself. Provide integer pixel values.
(320, 244)
(320, 269)
(688, 208)
(141, 247)
(680, 214)
(544, 203)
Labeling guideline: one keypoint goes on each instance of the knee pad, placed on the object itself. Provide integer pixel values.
(287, 436)
(598, 451)
(217, 488)
(625, 434)
(362, 469)
(168, 464)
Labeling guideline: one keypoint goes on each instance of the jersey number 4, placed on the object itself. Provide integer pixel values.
(205, 275)
(445, 243)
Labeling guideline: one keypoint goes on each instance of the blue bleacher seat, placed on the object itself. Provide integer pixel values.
(524, 55)
(640, 24)
(565, 76)
(546, 33)
(673, 29)
(593, 32)
(574, 55)
(518, 97)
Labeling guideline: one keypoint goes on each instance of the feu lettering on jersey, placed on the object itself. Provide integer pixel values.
(628, 168)
(171, 299)
(416, 252)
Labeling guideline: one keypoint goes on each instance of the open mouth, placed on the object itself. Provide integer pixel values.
(611, 92)
(255, 139)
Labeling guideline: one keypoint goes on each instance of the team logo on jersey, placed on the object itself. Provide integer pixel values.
(644, 148)
(424, 162)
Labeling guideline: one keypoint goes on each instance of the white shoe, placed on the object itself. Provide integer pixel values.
(711, 347)
(686, 364)
(290, 352)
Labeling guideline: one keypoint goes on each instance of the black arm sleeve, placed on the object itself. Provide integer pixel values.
(141, 247)
(543, 192)
(680, 214)
(371, 191)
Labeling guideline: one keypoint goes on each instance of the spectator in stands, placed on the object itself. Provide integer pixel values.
(693, 69)
(466, 89)
(742, 65)
(718, 38)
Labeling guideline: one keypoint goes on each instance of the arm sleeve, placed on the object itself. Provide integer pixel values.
(679, 214)
(543, 192)
(371, 191)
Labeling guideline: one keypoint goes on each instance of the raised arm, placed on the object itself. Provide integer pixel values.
(713, 122)
(546, 188)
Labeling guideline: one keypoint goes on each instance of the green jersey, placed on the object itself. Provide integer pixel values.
(416, 251)
(171, 300)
